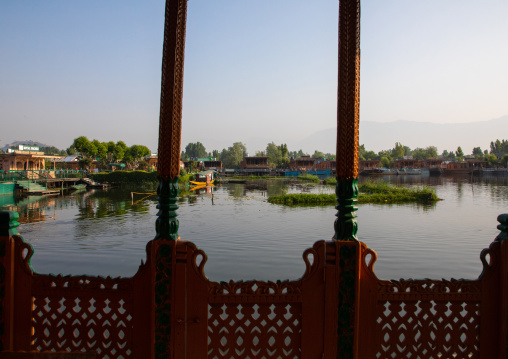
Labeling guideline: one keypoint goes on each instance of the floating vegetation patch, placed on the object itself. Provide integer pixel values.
(368, 193)
(308, 178)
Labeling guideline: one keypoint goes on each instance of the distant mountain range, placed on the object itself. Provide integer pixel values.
(377, 136)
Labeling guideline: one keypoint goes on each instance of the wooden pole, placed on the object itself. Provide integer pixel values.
(346, 227)
(348, 120)
(170, 121)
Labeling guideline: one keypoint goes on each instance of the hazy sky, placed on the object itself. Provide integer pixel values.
(255, 70)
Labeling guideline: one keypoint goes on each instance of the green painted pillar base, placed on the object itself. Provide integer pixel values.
(8, 223)
(503, 227)
(346, 226)
(166, 225)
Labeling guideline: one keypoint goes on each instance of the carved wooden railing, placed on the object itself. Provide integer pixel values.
(169, 309)
(437, 318)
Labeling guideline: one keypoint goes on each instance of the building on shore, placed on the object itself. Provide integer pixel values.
(25, 158)
(255, 163)
(304, 163)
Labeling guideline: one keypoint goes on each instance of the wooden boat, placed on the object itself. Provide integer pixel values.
(77, 187)
(201, 183)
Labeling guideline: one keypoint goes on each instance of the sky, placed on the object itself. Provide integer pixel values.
(256, 71)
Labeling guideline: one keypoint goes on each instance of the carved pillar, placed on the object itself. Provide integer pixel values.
(346, 227)
(170, 121)
(162, 250)
(348, 120)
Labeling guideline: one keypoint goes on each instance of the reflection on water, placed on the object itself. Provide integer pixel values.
(105, 232)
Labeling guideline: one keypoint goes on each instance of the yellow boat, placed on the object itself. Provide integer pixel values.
(201, 183)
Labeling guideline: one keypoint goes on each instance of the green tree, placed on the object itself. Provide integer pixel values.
(504, 160)
(284, 155)
(318, 155)
(385, 161)
(110, 151)
(398, 151)
(459, 153)
(499, 146)
(492, 160)
(50, 150)
(419, 153)
(102, 150)
(232, 157)
(135, 154)
(449, 156)
(71, 151)
(477, 152)
(274, 154)
(431, 151)
(195, 150)
(119, 151)
(367, 155)
(297, 154)
(84, 147)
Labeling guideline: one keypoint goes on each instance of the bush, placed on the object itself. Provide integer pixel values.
(308, 178)
(330, 181)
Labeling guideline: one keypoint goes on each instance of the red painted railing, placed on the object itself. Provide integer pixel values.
(170, 309)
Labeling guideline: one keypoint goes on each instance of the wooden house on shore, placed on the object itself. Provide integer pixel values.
(304, 163)
(255, 163)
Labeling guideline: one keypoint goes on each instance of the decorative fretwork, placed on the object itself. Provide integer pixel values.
(82, 314)
(255, 320)
(428, 329)
(425, 318)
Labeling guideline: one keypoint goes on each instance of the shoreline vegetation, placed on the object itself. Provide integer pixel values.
(370, 192)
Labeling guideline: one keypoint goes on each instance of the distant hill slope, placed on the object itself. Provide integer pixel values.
(27, 142)
(382, 136)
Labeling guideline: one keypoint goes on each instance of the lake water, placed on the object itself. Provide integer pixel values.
(105, 233)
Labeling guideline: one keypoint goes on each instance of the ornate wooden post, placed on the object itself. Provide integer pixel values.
(348, 119)
(347, 249)
(168, 335)
(170, 121)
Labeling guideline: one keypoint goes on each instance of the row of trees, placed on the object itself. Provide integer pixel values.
(107, 152)
(498, 152)
(279, 155)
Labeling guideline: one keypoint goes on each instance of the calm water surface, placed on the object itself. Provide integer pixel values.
(245, 237)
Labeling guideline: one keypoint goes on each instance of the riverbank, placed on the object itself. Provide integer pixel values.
(368, 193)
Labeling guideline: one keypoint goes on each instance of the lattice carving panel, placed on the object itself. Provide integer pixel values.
(428, 329)
(254, 330)
(68, 319)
